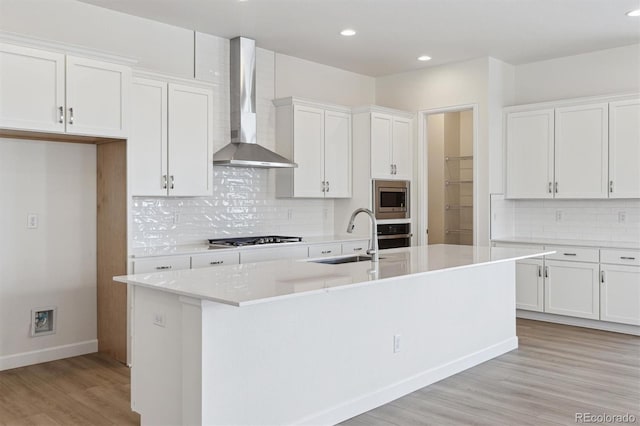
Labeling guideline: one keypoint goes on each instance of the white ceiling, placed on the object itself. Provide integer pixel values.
(392, 33)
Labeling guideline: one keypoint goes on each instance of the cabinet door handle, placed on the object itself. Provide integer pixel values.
(539, 271)
(328, 186)
(556, 187)
(391, 165)
(61, 119)
(610, 186)
(357, 249)
(550, 188)
(546, 272)
(602, 277)
(70, 115)
(627, 258)
(172, 180)
(569, 254)
(164, 181)
(163, 267)
(216, 262)
(323, 186)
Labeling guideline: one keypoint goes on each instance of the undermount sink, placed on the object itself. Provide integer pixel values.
(343, 259)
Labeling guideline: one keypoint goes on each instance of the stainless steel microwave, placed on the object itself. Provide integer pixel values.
(391, 199)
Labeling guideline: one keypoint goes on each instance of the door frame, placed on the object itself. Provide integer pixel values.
(422, 184)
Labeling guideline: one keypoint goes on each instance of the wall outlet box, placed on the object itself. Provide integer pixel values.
(32, 221)
(396, 343)
(159, 319)
(622, 217)
(558, 215)
(43, 321)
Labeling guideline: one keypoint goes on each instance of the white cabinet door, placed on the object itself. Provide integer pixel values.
(581, 151)
(31, 89)
(529, 163)
(620, 294)
(214, 259)
(337, 154)
(308, 137)
(190, 140)
(160, 264)
(147, 143)
(530, 285)
(401, 148)
(571, 288)
(275, 253)
(381, 140)
(624, 149)
(97, 97)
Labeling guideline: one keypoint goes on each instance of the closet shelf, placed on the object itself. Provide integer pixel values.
(457, 231)
(464, 157)
(456, 182)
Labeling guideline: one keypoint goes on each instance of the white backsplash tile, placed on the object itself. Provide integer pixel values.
(243, 204)
(597, 220)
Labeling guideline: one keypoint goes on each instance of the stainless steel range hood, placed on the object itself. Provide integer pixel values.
(244, 151)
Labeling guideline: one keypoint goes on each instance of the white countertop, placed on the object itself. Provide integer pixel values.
(576, 243)
(253, 283)
(189, 249)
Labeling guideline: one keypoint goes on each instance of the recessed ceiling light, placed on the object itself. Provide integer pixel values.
(633, 13)
(424, 58)
(348, 32)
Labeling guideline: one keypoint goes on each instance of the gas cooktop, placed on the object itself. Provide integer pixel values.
(252, 241)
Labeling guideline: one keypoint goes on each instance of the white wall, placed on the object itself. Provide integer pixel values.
(155, 45)
(446, 86)
(603, 72)
(55, 264)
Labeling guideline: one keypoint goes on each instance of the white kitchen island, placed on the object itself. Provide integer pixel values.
(298, 342)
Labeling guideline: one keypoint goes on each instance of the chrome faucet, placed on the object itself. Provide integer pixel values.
(373, 244)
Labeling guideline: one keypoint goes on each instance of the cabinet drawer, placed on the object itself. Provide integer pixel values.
(576, 254)
(214, 259)
(355, 247)
(159, 264)
(620, 257)
(320, 250)
(263, 254)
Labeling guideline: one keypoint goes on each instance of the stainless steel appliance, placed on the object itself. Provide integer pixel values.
(391, 199)
(251, 241)
(394, 235)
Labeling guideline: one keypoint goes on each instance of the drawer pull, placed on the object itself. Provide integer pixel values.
(627, 258)
(216, 262)
(163, 267)
(546, 272)
(357, 249)
(539, 271)
(569, 254)
(326, 251)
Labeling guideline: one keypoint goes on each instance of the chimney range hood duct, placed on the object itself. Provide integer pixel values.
(244, 151)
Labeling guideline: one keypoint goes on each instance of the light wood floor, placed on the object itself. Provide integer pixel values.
(556, 372)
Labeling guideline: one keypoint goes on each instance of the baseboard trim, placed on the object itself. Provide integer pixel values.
(580, 322)
(396, 390)
(23, 359)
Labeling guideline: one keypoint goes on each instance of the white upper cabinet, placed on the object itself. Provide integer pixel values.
(390, 146)
(624, 149)
(581, 151)
(31, 89)
(97, 97)
(171, 139)
(318, 138)
(578, 151)
(529, 166)
(51, 92)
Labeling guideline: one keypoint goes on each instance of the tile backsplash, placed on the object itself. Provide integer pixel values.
(599, 220)
(243, 203)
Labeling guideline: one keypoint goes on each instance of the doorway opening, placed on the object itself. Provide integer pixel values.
(448, 185)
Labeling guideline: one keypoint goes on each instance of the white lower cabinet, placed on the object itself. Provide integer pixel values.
(320, 250)
(620, 286)
(159, 264)
(355, 247)
(214, 259)
(572, 289)
(530, 285)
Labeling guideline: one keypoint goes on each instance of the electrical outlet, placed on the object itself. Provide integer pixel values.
(176, 218)
(32, 221)
(396, 343)
(622, 217)
(159, 319)
(558, 215)
(289, 214)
